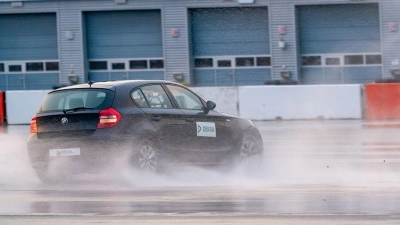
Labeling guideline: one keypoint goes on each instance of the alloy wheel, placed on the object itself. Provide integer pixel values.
(147, 159)
(249, 150)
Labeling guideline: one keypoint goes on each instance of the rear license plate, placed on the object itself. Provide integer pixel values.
(64, 152)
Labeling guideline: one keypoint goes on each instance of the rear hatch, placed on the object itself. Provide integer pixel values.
(72, 112)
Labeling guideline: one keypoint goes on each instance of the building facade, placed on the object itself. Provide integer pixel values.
(44, 44)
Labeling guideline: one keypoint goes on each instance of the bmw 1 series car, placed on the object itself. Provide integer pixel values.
(150, 125)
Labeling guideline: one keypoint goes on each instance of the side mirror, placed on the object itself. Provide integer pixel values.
(211, 105)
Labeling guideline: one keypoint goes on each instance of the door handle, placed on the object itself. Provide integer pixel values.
(190, 119)
(156, 118)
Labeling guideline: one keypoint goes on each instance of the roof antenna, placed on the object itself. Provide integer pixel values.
(90, 82)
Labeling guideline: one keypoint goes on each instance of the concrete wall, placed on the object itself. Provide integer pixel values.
(301, 102)
(226, 98)
(252, 102)
(21, 106)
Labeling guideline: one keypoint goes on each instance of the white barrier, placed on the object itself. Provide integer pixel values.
(256, 102)
(300, 102)
(225, 97)
(21, 106)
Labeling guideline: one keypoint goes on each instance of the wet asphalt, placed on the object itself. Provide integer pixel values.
(314, 172)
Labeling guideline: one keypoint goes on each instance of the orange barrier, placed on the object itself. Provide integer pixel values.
(2, 108)
(383, 101)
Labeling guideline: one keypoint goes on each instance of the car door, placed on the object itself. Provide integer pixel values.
(155, 103)
(209, 137)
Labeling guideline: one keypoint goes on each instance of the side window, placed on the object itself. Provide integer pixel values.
(156, 97)
(185, 98)
(139, 99)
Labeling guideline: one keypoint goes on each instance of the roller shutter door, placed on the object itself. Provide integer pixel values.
(230, 46)
(339, 44)
(28, 51)
(124, 45)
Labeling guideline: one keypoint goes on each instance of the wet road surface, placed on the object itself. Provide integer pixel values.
(315, 172)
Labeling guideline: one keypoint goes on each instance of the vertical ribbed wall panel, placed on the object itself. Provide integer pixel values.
(176, 49)
(282, 14)
(71, 50)
(28, 7)
(390, 39)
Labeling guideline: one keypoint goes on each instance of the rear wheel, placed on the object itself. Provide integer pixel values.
(46, 177)
(147, 158)
(41, 173)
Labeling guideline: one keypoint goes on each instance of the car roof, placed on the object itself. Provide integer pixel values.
(120, 84)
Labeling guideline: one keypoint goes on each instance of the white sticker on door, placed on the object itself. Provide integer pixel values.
(206, 129)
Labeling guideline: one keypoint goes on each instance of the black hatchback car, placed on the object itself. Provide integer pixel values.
(148, 124)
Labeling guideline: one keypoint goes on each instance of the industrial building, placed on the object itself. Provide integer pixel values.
(50, 43)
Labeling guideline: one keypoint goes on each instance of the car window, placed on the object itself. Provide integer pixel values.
(96, 99)
(139, 98)
(185, 98)
(156, 96)
(69, 99)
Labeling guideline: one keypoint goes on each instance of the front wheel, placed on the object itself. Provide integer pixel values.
(250, 152)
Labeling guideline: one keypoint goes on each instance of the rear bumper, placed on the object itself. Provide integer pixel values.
(95, 153)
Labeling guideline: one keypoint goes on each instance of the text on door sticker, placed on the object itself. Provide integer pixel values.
(206, 129)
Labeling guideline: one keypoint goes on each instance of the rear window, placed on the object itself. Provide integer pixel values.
(70, 99)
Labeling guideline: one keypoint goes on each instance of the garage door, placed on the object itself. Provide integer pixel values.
(28, 51)
(339, 44)
(230, 46)
(124, 45)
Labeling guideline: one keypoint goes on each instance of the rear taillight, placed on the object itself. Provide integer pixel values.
(108, 118)
(33, 126)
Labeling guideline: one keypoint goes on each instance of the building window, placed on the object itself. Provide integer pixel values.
(332, 61)
(340, 60)
(224, 63)
(244, 62)
(118, 66)
(201, 63)
(239, 61)
(126, 64)
(34, 66)
(354, 60)
(156, 64)
(98, 65)
(263, 61)
(14, 68)
(373, 59)
(52, 66)
(311, 60)
(138, 64)
(1, 67)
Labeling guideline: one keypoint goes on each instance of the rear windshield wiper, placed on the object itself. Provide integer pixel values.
(75, 109)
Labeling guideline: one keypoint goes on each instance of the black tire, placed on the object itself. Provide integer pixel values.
(41, 173)
(147, 157)
(47, 178)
